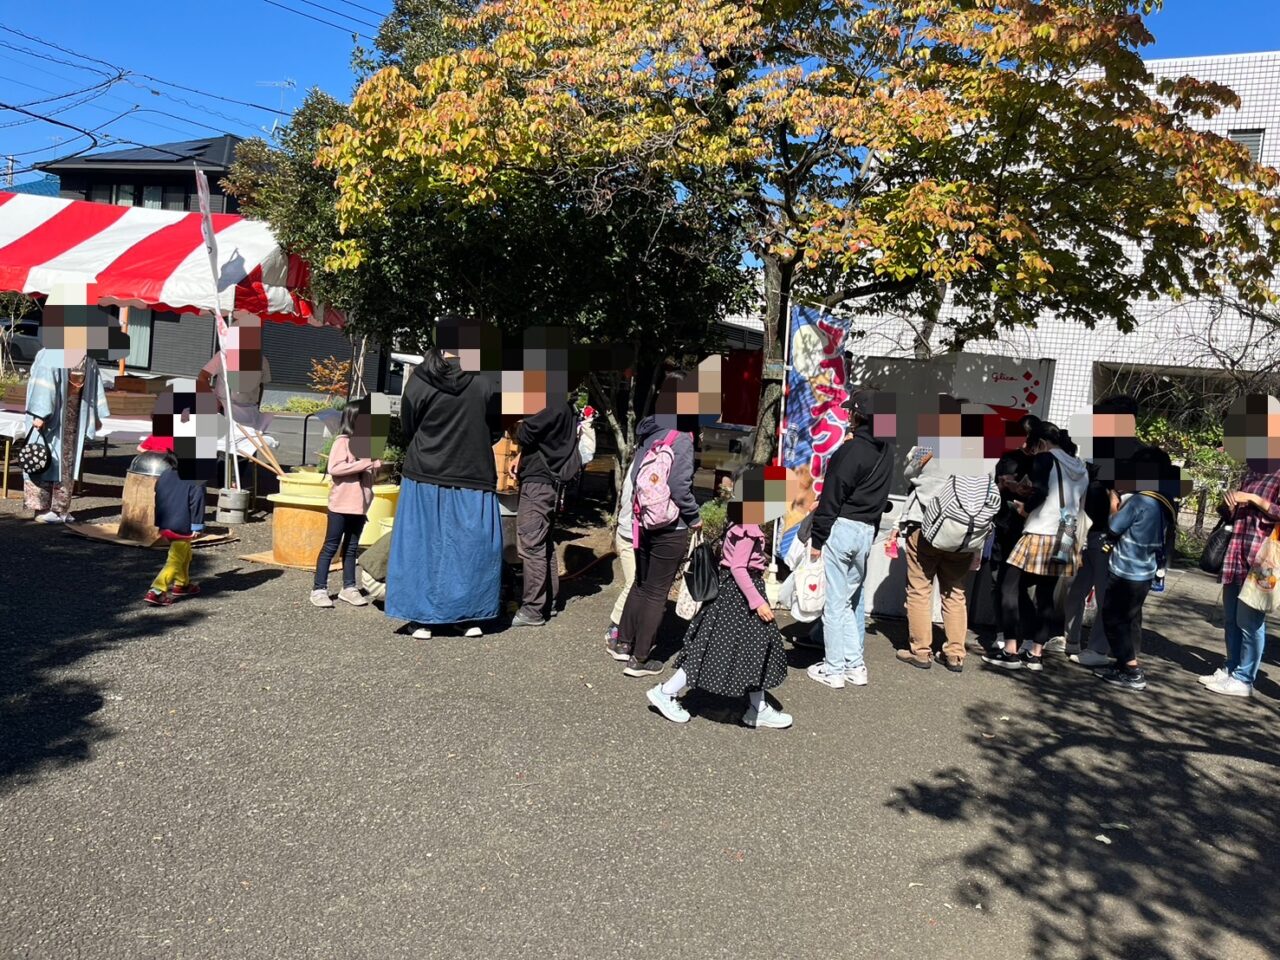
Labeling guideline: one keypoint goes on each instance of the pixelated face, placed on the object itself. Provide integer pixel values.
(1252, 432)
(759, 495)
(477, 346)
(71, 325)
(690, 403)
(965, 439)
(1145, 473)
(243, 346)
(539, 374)
(1106, 440)
(370, 438)
(191, 420)
(884, 414)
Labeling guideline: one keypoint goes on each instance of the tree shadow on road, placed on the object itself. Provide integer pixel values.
(65, 600)
(1130, 825)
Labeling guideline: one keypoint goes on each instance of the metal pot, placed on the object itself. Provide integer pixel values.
(149, 464)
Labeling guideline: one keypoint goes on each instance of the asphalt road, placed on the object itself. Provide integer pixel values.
(243, 776)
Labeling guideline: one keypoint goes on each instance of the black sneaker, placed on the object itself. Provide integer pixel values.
(1003, 660)
(1125, 679)
(650, 668)
(1031, 661)
(808, 640)
(618, 649)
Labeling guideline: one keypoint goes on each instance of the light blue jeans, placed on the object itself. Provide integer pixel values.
(844, 617)
(1246, 630)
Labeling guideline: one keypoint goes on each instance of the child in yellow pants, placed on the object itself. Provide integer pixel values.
(176, 575)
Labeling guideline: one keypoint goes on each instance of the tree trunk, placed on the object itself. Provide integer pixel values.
(936, 296)
(623, 430)
(778, 278)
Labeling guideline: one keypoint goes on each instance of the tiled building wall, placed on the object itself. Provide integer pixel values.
(1169, 333)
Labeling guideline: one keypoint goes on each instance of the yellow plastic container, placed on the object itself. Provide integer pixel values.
(300, 515)
(383, 508)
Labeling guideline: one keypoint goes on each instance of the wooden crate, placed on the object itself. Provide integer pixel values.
(140, 385)
(504, 451)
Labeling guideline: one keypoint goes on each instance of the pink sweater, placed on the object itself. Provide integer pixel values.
(743, 553)
(352, 479)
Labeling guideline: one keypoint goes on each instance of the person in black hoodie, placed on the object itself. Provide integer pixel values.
(855, 493)
(446, 550)
(1113, 429)
(548, 455)
(660, 549)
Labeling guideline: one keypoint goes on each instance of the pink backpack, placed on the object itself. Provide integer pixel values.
(652, 505)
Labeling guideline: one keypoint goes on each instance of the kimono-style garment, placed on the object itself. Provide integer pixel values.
(48, 387)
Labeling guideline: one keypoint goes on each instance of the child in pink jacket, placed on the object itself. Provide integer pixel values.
(349, 501)
(733, 647)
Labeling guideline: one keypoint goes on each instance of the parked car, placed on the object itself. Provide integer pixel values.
(25, 342)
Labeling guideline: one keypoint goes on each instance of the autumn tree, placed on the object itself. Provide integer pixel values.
(645, 269)
(1017, 158)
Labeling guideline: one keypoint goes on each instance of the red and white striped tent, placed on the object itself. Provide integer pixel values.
(136, 257)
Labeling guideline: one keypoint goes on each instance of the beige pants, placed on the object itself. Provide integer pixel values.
(627, 557)
(924, 562)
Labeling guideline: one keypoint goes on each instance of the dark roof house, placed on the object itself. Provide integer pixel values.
(159, 177)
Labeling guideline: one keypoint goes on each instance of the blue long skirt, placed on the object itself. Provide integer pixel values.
(446, 555)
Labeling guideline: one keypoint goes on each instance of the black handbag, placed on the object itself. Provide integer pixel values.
(33, 457)
(702, 575)
(1215, 548)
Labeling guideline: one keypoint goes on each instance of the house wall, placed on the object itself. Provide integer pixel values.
(79, 186)
(1169, 334)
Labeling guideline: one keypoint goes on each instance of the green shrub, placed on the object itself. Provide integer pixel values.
(715, 519)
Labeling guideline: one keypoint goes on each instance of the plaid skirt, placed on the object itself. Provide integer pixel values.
(1033, 553)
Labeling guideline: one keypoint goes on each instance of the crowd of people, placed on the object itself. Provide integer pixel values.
(1019, 523)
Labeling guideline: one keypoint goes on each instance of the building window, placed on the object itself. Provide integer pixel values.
(175, 198)
(153, 198)
(1251, 140)
(124, 195)
(100, 193)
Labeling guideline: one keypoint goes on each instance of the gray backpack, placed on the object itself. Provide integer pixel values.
(962, 514)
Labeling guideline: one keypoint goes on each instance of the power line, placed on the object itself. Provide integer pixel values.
(44, 56)
(337, 26)
(187, 103)
(134, 107)
(321, 6)
(145, 76)
(358, 6)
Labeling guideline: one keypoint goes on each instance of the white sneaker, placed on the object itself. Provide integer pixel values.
(50, 517)
(422, 633)
(353, 596)
(320, 598)
(1231, 687)
(473, 632)
(1057, 645)
(1090, 658)
(818, 671)
(769, 716)
(669, 707)
(1211, 678)
(856, 675)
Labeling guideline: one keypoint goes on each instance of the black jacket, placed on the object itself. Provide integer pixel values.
(855, 485)
(1097, 500)
(1016, 465)
(547, 442)
(450, 425)
(179, 504)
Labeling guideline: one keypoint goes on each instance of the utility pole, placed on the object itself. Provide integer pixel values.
(8, 172)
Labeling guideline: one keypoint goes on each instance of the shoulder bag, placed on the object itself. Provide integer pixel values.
(33, 455)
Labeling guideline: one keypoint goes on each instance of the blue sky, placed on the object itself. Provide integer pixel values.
(232, 47)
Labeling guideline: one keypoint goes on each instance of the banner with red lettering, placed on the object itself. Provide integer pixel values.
(814, 412)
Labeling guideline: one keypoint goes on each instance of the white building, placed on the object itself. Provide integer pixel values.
(1181, 338)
